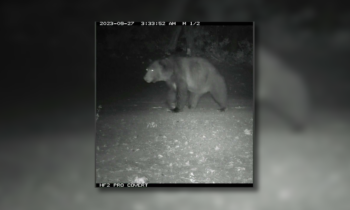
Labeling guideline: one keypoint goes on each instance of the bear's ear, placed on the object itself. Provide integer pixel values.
(164, 62)
(167, 63)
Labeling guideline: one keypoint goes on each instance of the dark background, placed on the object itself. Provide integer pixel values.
(48, 92)
(124, 52)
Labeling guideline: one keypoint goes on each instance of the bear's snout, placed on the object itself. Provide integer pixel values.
(148, 80)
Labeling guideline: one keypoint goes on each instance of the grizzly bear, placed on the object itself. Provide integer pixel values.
(184, 75)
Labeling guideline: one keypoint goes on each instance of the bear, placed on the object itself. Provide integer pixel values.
(183, 75)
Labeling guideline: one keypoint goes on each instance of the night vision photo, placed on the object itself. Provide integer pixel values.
(175, 104)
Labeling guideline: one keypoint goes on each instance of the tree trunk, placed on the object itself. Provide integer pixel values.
(174, 38)
(189, 40)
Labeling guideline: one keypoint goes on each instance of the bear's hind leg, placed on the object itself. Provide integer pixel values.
(193, 100)
(219, 93)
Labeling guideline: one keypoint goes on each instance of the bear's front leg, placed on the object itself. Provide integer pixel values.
(181, 97)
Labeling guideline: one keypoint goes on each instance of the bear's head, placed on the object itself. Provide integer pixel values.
(159, 71)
